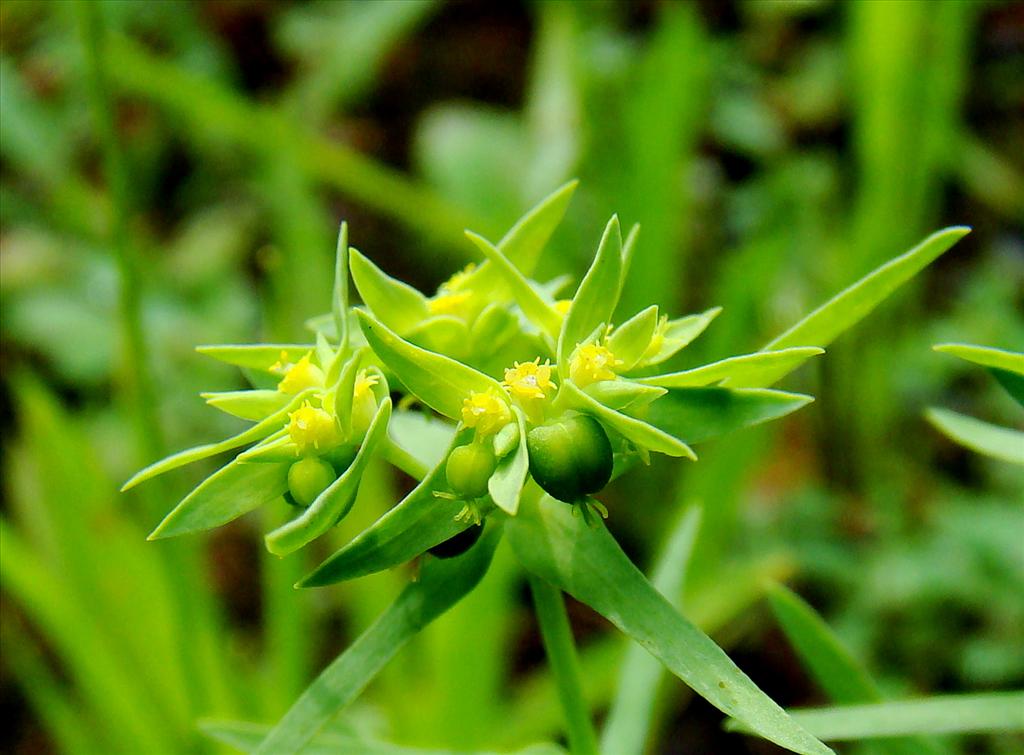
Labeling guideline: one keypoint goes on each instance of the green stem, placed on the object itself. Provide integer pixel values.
(565, 665)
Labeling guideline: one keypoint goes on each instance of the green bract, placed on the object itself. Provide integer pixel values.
(530, 394)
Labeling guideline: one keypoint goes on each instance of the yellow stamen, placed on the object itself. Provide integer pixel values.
(447, 303)
(310, 426)
(529, 380)
(487, 412)
(592, 362)
(300, 376)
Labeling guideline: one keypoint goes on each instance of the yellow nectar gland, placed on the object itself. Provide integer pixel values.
(486, 412)
(299, 376)
(310, 426)
(529, 380)
(363, 386)
(592, 362)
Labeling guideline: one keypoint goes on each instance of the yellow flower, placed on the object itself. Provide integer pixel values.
(529, 380)
(363, 385)
(562, 306)
(460, 279)
(364, 403)
(592, 362)
(310, 426)
(299, 376)
(487, 412)
(447, 303)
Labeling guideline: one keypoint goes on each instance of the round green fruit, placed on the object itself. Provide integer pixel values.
(308, 478)
(570, 457)
(469, 468)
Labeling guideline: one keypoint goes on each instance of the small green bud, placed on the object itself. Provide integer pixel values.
(308, 478)
(469, 468)
(570, 457)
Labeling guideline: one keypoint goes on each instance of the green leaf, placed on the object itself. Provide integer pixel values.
(250, 405)
(445, 334)
(735, 371)
(418, 522)
(256, 356)
(391, 301)
(991, 440)
(986, 356)
(442, 583)
(634, 430)
(258, 431)
(439, 382)
(336, 501)
(629, 341)
(223, 496)
(537, 310)
(586, 562)
(506, 484)
(1012, 383)
(595, 299)
(339, 296)
(619, 394)
(697, 414)
(679, 334)
(946, 714)
(629, 718)
(831, 665)
(850, 306)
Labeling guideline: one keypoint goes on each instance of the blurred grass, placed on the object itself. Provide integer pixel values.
(772, 152)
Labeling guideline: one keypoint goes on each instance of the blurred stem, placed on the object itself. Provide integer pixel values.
(565, 665)
(135, 374)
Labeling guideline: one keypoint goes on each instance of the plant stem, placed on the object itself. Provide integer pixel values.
(565, 665)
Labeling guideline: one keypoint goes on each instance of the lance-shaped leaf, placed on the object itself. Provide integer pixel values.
(946, 714)
(259, 356)
(850, 306)
(446, 334)
(596, 297)
(506, 484)
(438, 381)
(526, 295)
(632, 429)
(679, 334)
(250, 405)
(831, 665)
(697, 414)
(231, 491)
(586, 562)
(619, 394)
(442, 583)
(629, 341)
(418, 522)
(1006, 366)
(339, 296)
(258, 431)
(336, 501)
(998, 442)
(393, 302)
(738, 371)
(628, 252)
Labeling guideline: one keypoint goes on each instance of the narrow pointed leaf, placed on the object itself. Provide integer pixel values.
(737, 371)
(946, 714)
(595, 300)
(620, 394)
(850, 306)
(991, 440)
(418, 522)
(628, 252)
(632, 429)
(629, 341)
(986, 356)
(225, 495)
(679, 334)
(256, 356)
(439, 382)
(442, 583)
(506, 484)
(391, 301)
(586, 562)
(258, 431)
(250, 405)
(629, 718)
(534, 306)
(1012, 383)
(698, 414)
(339, 296)
(336, 501)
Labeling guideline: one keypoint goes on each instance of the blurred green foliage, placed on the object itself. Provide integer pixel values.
(772, 152)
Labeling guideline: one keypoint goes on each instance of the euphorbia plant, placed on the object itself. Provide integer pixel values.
(544, 400)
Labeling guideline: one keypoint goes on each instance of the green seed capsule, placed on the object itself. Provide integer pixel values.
(308, 478)
(469, 468)
(570, 457)
(456, 545)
